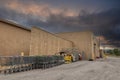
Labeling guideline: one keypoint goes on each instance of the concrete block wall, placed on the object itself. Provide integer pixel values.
(84, 41)
(45, 43)
(13, 40)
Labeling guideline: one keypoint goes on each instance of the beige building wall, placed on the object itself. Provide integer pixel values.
(45, 43)
(97, 47)
(13, 39)
(84, 41)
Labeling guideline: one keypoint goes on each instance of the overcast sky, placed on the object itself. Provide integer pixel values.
(100, 16)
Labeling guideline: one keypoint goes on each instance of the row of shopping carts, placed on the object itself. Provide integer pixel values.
(44, 62)
(13, 64)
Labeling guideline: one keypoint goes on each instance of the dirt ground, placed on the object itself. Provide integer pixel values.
(103, 69)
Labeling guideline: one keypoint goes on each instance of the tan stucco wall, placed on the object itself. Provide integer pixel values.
(13, 40)
(45, 43)
(84, 41)
(97, 48)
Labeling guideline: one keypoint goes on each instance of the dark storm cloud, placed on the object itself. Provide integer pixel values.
(27, 20)
(105, 22)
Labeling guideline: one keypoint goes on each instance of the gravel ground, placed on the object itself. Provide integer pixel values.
(103, 69)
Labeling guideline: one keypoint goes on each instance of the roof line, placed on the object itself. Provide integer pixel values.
(14, 24)
(51, 33)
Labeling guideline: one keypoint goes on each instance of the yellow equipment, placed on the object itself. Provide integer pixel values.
(68, 58)
(71, 55)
